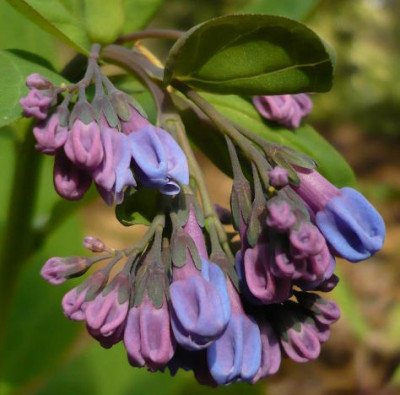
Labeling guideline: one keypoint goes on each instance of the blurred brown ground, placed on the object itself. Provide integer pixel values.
(348, 364)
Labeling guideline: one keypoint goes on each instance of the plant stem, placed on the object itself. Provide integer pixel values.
(18, 240)
(151, 33)
(227, 128)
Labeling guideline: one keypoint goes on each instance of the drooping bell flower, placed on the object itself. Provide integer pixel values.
(56, 270)
(75, 301)
(158, 159)
(70, 182)
(37, 103)
(350, 224)
(259, 277)
(148, 338)
(236, 354)
(287, 110)
(50, 134)
(113, 173)
(109, 309)
(200, 307)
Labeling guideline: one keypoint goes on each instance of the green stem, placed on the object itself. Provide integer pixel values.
(227, 128)
(18, 239)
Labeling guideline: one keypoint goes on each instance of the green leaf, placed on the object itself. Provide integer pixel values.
(138, 207)
(25, 35)
(15, 66)
(58, 17)
(251, 55)
(138, 13)
(304, 139)
(104, 20)
(288, 8)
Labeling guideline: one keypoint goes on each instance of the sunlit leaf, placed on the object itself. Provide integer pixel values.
(252, 55)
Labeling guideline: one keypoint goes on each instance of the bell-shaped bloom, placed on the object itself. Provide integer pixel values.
(36, 104)
(278, 177)
(84, 146)
(148, 338)
(200, 307)
(158, 160)
(109, 309)
(50, 135)
(56, 270)
(287, 110)
(74, 302)
(280, 215)
(113, 174)
(259, 278)
(351, 225)
(236, 354)
(270, 352)
(70, 182)
(300, 342)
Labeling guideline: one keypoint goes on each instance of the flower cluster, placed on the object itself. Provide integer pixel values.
(183, 299)
(108, 141)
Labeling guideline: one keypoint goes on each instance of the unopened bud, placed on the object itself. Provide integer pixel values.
(94, 244)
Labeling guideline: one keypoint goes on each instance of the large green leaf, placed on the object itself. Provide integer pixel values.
(304, 139)
(252, 55)
(59, 17)
(289, 8)
(104, 20)
(25, 35)
(138, 13)
(15, 66)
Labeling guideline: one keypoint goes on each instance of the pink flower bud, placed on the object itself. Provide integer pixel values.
(36, 104)
(50, 135)
(93, 244)
(56, 270)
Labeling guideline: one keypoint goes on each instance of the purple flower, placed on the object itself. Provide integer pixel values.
(270, 352)
(348, 221)
(287, 110)
(109, 309)
(236, 354)
(280, 215)
(56, 270)
(301, 342)
(70, 182)
(50, 135)
(84, 146)
(278, 177)
(94, 244)
(158, 159)
(36, 103)
(113, 174)
(200, 307)
(306, 241)
(75, 301)
(259, 278)
(37, 81)
(148, 339)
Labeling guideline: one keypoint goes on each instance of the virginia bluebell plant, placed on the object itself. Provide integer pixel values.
(187, 296)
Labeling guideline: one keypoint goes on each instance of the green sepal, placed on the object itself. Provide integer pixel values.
(82, 111)
(102, 106)
(220, 259)
(182, 204)
(181, 245)
(240, 202)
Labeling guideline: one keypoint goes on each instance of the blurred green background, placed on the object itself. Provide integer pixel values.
(44, 353)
